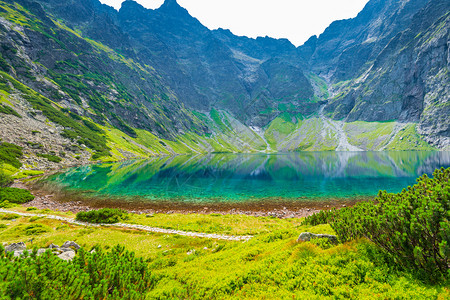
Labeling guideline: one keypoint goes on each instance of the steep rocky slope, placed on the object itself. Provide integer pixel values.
(205, 68)
(408, 80)
(111, 84)
(346, 46)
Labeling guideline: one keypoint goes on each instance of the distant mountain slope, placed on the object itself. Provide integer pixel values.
(61, 92)
(206, 69)
(111, 84)
(408, 80)
(341, 51)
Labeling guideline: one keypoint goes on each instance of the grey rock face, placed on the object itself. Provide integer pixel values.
(66, 252)
(70, 244)
(16, 247)
(41, 251)
(68, 255)
(53, 246)
(307, 236)
(408, 79)
(389, 63)
(203, 68)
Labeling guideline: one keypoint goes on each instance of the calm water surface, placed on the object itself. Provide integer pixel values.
(304, 176)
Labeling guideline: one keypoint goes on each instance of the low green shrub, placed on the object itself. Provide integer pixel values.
(104, 215)
(5, 179)
(101, 275)
(322, 217)
(7, 204)
(15, 195)
(50, 157)
(10, 154)
(9, 216)
(412, 227)
(36, 229)
(4, 109)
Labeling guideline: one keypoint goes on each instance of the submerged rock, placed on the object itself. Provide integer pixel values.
(307, 236)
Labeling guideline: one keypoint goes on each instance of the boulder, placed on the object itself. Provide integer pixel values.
(53, 246)
(71, 244)
(62, 250)
(41, 251)
(16, 247)
(307, 236)
(68, 255)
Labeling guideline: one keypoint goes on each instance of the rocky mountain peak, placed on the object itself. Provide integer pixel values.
(173, 8)
(171, 4)
(132, 5)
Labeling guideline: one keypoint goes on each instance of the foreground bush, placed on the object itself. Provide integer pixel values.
(15, 195)
(412, 227)
(104, 215)
(114, 275)
(322, 217)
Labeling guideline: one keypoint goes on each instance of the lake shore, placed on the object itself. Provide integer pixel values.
(279, 208)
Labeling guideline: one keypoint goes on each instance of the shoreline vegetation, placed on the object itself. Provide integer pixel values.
(83, 84)
(260, 258)
(270, 264)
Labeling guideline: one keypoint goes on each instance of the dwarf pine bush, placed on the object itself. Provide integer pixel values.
(15, 195)
(104, 215)
(412, 226)
(117, 274)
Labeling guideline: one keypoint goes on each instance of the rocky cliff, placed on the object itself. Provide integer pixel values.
(403, 77)
(139, 82)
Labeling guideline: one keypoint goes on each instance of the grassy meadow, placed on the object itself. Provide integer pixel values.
(272, 265)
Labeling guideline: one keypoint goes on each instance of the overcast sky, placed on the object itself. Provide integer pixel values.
(296, 20)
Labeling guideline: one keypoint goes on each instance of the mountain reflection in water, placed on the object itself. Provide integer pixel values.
(242, 177)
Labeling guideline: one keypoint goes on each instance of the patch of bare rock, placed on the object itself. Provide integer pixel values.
(66, 251)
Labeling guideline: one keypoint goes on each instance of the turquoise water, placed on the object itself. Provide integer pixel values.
(232, 178)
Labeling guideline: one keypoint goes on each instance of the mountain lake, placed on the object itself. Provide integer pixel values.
(250, 179)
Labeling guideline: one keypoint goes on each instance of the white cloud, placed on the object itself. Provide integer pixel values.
(296, 20)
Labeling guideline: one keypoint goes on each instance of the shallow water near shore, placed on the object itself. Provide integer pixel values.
(250, 179)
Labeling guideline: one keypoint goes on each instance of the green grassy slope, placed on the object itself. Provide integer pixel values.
(270, 265)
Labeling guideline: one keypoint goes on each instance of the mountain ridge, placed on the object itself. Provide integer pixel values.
(159, 82)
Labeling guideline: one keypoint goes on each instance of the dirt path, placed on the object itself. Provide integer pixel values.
(139, 227)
